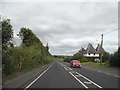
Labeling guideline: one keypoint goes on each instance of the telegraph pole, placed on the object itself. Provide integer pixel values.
(101, 54)
(102, 40)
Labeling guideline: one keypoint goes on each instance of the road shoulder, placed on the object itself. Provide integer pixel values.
(23, 80)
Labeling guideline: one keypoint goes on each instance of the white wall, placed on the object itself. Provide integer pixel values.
(91, 55)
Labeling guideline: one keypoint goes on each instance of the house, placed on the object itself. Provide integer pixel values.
(100, 49)
(92, 53)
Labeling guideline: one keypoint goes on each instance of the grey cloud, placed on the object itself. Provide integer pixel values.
(65, 26)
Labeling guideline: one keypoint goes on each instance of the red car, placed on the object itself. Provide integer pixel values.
(75, 63)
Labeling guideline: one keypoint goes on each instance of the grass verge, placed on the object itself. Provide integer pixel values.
(95, 64)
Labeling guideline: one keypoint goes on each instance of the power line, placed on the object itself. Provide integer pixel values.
(98, 37)
(106, 33)
(110, 31)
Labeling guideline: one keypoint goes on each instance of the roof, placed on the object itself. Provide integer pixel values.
(82, 51)
(90, 49)
(99, 49)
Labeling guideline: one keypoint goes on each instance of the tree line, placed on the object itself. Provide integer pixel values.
(31, 53)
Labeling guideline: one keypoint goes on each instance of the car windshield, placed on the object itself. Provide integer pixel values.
(97, 59)
(75, 61)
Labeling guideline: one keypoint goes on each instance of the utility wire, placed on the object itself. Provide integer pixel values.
(110, 31)
(107, 33)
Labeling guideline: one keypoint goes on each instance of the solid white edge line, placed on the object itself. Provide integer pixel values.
(116, 76)
(107, 73)
(89, 80)
(78, 80)
(102, 72)
(37, 78)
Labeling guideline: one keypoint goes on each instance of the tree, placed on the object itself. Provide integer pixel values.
(78, 56)
(114, 59)
(7, 34)
(106, 56)
(28, 37)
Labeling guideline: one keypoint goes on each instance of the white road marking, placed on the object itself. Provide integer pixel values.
(77, 75)
(98, 71)
(65, 68)
(62, 64)
(73, 71)
(116, 76)
(78, 80)
(103, 72)
(37, 78)
(107, 73)
(69, 68)
(80, 75)
(89, 80)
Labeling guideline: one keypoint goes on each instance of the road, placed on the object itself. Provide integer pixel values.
(61, 75)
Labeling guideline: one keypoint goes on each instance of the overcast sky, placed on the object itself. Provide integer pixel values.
(66, 26)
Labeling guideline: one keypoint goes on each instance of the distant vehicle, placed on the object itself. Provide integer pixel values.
(97, 60)
(75, 63)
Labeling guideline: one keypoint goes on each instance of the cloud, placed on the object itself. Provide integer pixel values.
(66, 26)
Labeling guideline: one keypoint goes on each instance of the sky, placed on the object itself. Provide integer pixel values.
(66, 26)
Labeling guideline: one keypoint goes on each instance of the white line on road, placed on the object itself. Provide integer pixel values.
(61, 64)
(98, 71)
(89, 80)
(77, 75)
(37, 78)
(80, 75)
(69, 68)
(78, 80)
(103, 72)
(116, 76)
(65, 68)
(107, 73)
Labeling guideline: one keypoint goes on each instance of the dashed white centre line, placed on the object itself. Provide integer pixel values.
(69, 68)
(65, 68)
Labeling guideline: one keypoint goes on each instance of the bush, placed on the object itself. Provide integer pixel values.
(114, 60)
(7, 65)
(106, 57)
(23, 58)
